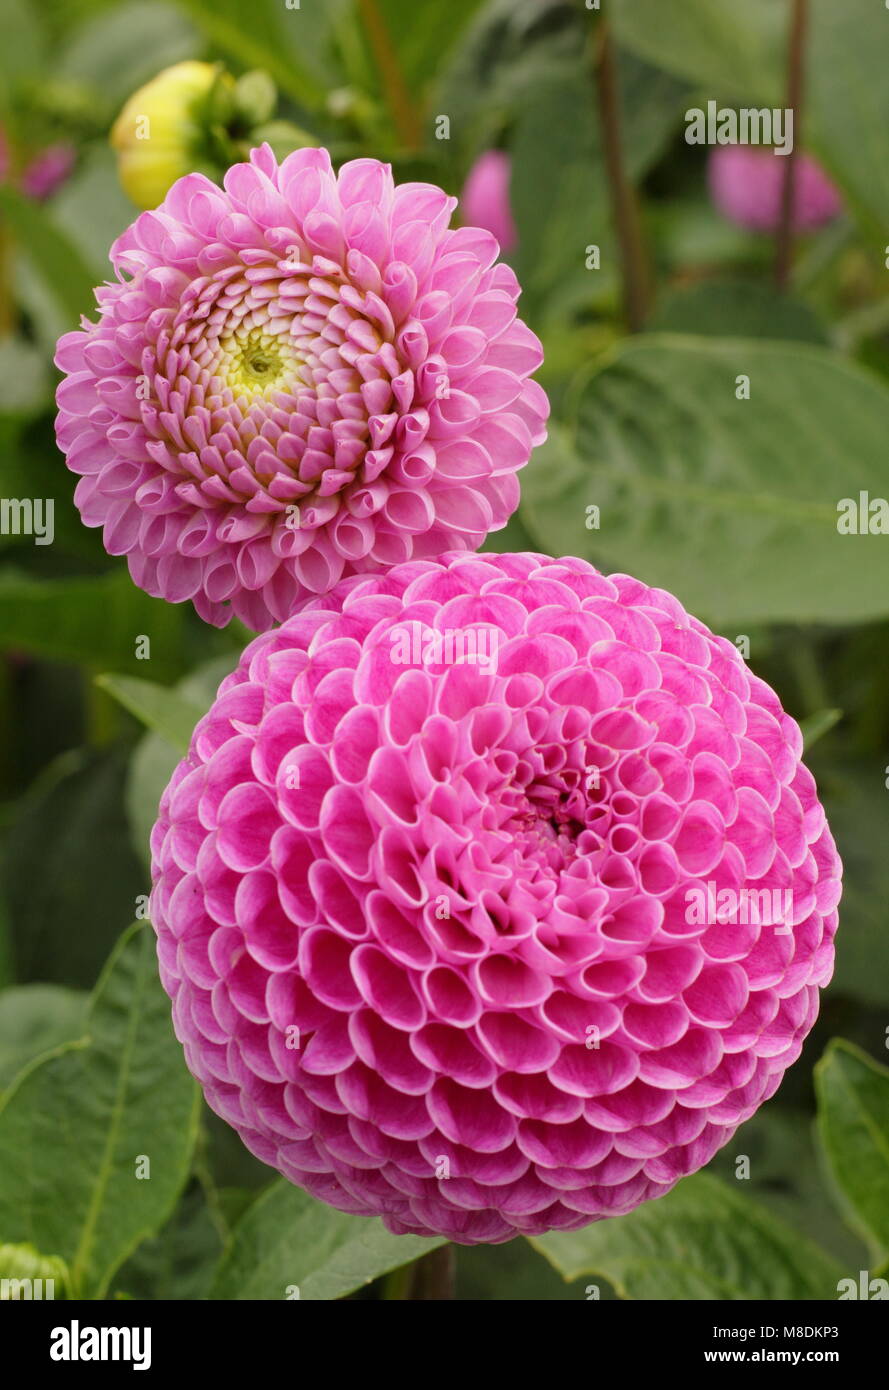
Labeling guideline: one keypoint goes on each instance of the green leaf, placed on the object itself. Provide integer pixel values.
(178, 1262)
(817, 725)
(170, 714)
(24, 380)
(256, 97)
(287, 1240)
(736, 309)
(703, 1240)
(854, 795)
(154, 761)
(786, 1177)
(731, 504)
(92, 621)
(7, 973)
(120, 49)
(31, 470)
(22, 50)
(853, 1122)
(283, 136)
(77, 1122)
(151, 767)
(69, 872)
(35, 1019)
(93, 210)
(508, 48)
(689, 231)
(734, 51)
(847, 98)
(56, 259)
(289, 42)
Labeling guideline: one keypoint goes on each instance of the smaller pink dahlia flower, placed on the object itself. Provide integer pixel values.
(485, 198)
(492, 896)
(296, 378)
(746, 186)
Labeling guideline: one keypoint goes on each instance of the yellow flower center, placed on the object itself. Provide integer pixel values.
(257, 363)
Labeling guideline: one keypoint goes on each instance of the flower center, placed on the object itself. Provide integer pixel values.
(560, 815)
(256, 362)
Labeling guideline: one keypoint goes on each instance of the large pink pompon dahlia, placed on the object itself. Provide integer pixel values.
(492, 896)
(296, 378)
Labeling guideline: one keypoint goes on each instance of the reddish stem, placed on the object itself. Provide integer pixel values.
(404, 117)
(434, 1276)
(623, 199)
(795, 79)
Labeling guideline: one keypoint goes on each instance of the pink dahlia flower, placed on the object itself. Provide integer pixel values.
(485, 198)
(443, 895)
(302, 377)
(746, 185)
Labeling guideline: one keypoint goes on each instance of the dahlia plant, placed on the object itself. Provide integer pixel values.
(425, 922)
(486, 896)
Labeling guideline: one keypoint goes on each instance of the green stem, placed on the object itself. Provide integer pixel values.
(205, 1178)
(813, 693)
(869, 321)
(819, 258)
(7, 303)
(101, 710)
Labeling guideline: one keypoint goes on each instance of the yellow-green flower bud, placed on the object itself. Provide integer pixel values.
(161, 132)
(25, 1273)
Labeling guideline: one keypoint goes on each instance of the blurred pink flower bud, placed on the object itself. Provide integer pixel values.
(48, 172)
(746, 186)
(485, 200)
